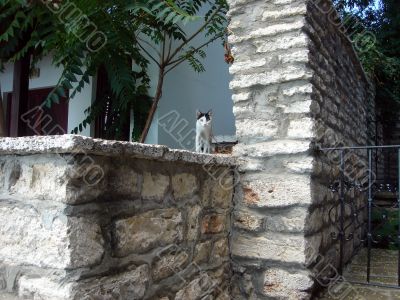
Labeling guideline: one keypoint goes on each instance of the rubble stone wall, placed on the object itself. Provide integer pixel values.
(90, 219)
(297, 87)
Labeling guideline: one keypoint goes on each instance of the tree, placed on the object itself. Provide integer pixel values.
(2, 121)
(164, 32)
(380, 57)
(128, 27)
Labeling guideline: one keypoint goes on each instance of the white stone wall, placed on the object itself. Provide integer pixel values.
(91, 219)
(296, 78)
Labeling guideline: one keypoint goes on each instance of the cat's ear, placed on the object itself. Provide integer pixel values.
(209, 113)
(198, 114)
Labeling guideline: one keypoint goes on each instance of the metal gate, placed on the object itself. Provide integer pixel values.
(367, 210)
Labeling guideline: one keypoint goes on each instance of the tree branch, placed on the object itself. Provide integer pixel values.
(149, 44)
(169, 47)
(194, 35)
(178, 61)
(163, 49)
(156, 61)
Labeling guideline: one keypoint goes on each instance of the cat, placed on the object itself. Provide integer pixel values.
(203, 132)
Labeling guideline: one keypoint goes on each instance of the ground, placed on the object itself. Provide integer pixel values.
(383, 271)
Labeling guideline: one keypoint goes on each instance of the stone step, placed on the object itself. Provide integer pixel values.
(361, 292)
(374, 278)
(381, 268)
(377, 256)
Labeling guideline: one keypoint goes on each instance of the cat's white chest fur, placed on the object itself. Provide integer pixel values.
(203, 132)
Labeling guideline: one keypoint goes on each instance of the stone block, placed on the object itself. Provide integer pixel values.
(302, 164)
(37, 177)
(240, 67)
(143, 232)
(169, 264)
(262, 190)
(154, 185)
(284, 12)
(282, 42)
(241, 97)
(124, 181)
(256, 130)
(202, 252)
(290, 73)
(301, 129)
(193, 223)
(299, 107)
(282, 284)
(131, 284)
(272, 148)
(217, 191)
(45, 237)
(272, 247)
(65, 178)
(200, 287)
(291, 220)
(86, 243)
(184, 185)
(213, 223)
(44, 288)
(250, 221)
(220, 252)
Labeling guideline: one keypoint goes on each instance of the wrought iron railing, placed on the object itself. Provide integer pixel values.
(378, 190)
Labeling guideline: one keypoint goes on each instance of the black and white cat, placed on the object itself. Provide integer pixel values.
(203, 132)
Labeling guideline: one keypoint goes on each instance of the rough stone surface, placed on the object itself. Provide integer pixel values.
(142, 231)
(193, 223)
(47, 238)
(297, 85)
(277, 248)
(69, 143)
(43, 288)
(128, 285)
(169, 265)
(214, 223)
(203, 252)
(184, 185)
(284, 285)
(248, 220)
(154, 185)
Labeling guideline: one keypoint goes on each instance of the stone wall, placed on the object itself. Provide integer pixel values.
(297, 87)
(91, 219)
(346, 106)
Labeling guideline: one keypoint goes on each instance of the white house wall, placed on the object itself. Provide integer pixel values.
(185, 91)
(49, 76)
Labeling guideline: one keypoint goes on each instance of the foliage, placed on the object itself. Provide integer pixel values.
(385, 224)
(41, 27)
(380, 53)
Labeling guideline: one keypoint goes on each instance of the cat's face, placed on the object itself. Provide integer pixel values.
(204, 118)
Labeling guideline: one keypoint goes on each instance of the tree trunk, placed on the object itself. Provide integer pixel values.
(2, 120)
(153, 108)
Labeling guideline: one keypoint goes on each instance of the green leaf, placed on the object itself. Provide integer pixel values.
(60, 91)
(76, 70)
(67, 84)
(54, 98)
(71, 77)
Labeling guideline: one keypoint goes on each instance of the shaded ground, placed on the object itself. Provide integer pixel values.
(383, 271)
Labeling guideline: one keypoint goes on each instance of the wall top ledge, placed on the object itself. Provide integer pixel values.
(69, 143)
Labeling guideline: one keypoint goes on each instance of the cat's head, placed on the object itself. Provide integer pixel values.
(204, 118)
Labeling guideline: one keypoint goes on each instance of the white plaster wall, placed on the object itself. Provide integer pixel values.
(185, 91)
(49, 76)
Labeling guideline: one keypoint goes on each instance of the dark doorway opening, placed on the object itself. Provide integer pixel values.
(39, 119)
